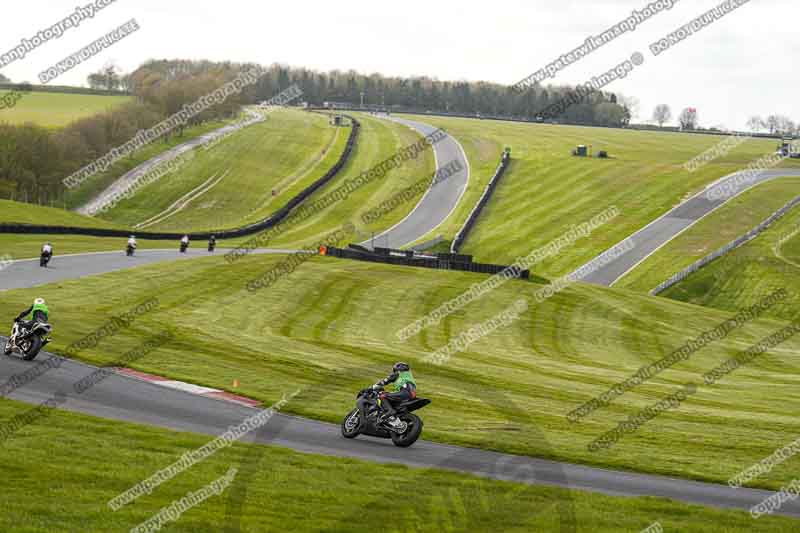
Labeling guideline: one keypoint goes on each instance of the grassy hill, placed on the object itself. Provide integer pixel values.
(380, 140)
(733, 219)
(772, 260)
(290, 146)
(547, 190)
(22, 213)
(99, 182)
(55, 110)
(331, 326)
(285, 154)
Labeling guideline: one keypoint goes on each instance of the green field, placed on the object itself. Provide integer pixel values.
(96, 184)
(289, 147)
(54, 110)
(63, 470)
(769, 262)
(329, 323)
(22, 213)
(735, 218)
(546, 190)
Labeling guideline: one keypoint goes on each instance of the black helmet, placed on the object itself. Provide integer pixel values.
(401, 367)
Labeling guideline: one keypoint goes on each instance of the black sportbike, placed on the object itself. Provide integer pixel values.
(45, 258)
(129, 250)
(364, 419)
(28, 342)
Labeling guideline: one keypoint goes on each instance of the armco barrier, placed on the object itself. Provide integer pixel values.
(462, 234)
(410, 258)
(274, 219)
(750, 235)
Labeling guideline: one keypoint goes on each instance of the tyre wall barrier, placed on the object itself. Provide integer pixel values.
(274, 219)
(750, 235)
(414, 259)
(463, 233)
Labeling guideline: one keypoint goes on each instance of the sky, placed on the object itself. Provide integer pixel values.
(739, 66)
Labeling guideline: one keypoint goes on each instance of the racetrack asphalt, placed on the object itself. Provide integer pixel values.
(26, 273)
(658, 233)
(438, 202)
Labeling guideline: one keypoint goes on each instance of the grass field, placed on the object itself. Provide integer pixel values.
(547, 190)
(733, 219)
(96, 184)
(769, 262)
(291, 147)
(63, 469)
(54, 110)
(22, 213)
(331, 326)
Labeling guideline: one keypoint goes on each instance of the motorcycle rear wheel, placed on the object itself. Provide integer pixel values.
(412, 433)
(352, 424)
(34, 346)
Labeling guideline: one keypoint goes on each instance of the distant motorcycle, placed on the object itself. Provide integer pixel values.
(212, 245)
(130, 250)
(184, 246)
(45, 258)
(28, 342)
(364, 420)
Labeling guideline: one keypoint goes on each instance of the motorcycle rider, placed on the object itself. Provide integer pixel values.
(184, 243)
(212, 243)
(40, 314)
(132, 241)
(47, 251)
(405, 389)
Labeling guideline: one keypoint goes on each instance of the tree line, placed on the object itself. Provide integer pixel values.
(34, 159)
(688, 120)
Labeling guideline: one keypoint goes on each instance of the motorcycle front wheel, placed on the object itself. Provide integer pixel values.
(412, 433)
(31, 348)
(351, 425)
(9, 348)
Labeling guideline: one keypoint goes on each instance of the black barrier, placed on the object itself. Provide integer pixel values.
(409, 258)
(462, 234)
(274, 219)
